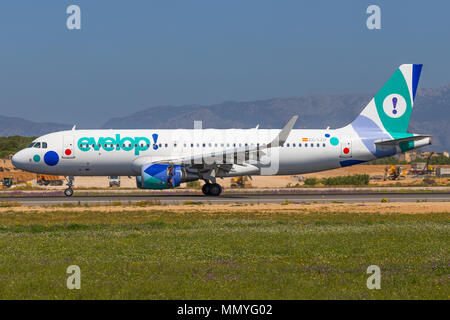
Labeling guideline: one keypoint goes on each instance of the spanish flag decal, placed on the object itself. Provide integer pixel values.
(304, 139)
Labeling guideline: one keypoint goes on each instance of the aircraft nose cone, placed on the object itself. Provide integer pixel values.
(18, 160)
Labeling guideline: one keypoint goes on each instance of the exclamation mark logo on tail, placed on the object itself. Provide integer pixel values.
(394, 102)
(394, 105)
(155, 140)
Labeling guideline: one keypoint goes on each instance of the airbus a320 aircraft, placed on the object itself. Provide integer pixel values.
(163, 159)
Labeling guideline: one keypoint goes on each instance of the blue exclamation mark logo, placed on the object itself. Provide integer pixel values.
(394, 102)
(155, 139)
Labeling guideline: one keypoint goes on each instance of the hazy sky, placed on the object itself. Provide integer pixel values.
(134, 54)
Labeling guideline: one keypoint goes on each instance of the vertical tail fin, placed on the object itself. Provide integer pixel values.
(389, 111)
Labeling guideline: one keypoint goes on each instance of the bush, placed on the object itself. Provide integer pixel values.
(354, 180)
(10, 145)
(194, 184)
(311, 181)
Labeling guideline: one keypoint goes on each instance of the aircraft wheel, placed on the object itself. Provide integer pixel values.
(206, 188)
(215, 190)
(68, 192)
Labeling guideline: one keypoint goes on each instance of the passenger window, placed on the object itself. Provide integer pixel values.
(160, 145)
(318, 145)
(293, 144)
(192, 145)
(204, 145)
(287, 145)
(312, 145)
(228, 144)
(300, 145)
(306, 144)
(324, 144)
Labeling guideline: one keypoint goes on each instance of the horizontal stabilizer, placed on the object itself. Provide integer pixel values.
(395, 142)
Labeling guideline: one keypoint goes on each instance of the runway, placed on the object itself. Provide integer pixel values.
(39, 200)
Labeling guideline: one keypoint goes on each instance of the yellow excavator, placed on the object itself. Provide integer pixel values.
(394, 173)
(241, 182)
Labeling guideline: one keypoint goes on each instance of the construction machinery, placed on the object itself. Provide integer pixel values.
(422, 168)
(7, 182)
(49, 180)
(114, 181)
(241, 182)
(394, 173)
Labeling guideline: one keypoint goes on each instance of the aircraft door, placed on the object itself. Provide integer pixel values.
(346, 149)
(68, 147)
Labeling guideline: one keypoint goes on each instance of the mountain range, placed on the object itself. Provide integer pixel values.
(13, 126)
(430, 115)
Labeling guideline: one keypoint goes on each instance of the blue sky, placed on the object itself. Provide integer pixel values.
(130, 55)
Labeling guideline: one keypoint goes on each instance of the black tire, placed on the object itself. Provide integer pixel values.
(206, 188)
(215, 190)
(68, 192)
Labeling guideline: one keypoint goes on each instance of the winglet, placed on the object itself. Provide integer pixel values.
(284, 133)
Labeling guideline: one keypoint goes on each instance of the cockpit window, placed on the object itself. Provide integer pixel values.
(31, 145)
(37, 145)
(44, 145)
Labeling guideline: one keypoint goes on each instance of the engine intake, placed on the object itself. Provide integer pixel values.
(162, 176)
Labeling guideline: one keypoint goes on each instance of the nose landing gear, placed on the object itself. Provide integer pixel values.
(211, 189)
(69, 191)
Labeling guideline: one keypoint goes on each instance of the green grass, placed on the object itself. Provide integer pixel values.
(143, 254)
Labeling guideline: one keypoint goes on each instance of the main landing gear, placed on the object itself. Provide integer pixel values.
(69, 191)
(211, 189)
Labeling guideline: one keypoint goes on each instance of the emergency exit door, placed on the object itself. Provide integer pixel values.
(346, 149)
(68, 147)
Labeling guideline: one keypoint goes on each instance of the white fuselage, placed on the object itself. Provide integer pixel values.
(121, 152)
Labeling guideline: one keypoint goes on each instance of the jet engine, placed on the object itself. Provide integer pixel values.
(163, 176)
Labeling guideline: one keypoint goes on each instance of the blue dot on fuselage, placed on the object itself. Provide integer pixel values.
(51, 158)
(327, 135)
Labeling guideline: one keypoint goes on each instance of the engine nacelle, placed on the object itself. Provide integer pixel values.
(162, 176)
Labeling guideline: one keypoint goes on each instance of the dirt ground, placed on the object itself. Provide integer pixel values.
(266, 208)
(271, 181)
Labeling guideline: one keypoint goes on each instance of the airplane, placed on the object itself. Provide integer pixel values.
(163, 159)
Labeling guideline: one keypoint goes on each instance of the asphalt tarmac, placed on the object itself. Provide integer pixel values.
(39, 200)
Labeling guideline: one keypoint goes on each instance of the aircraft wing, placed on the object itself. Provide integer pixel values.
(215, 158)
